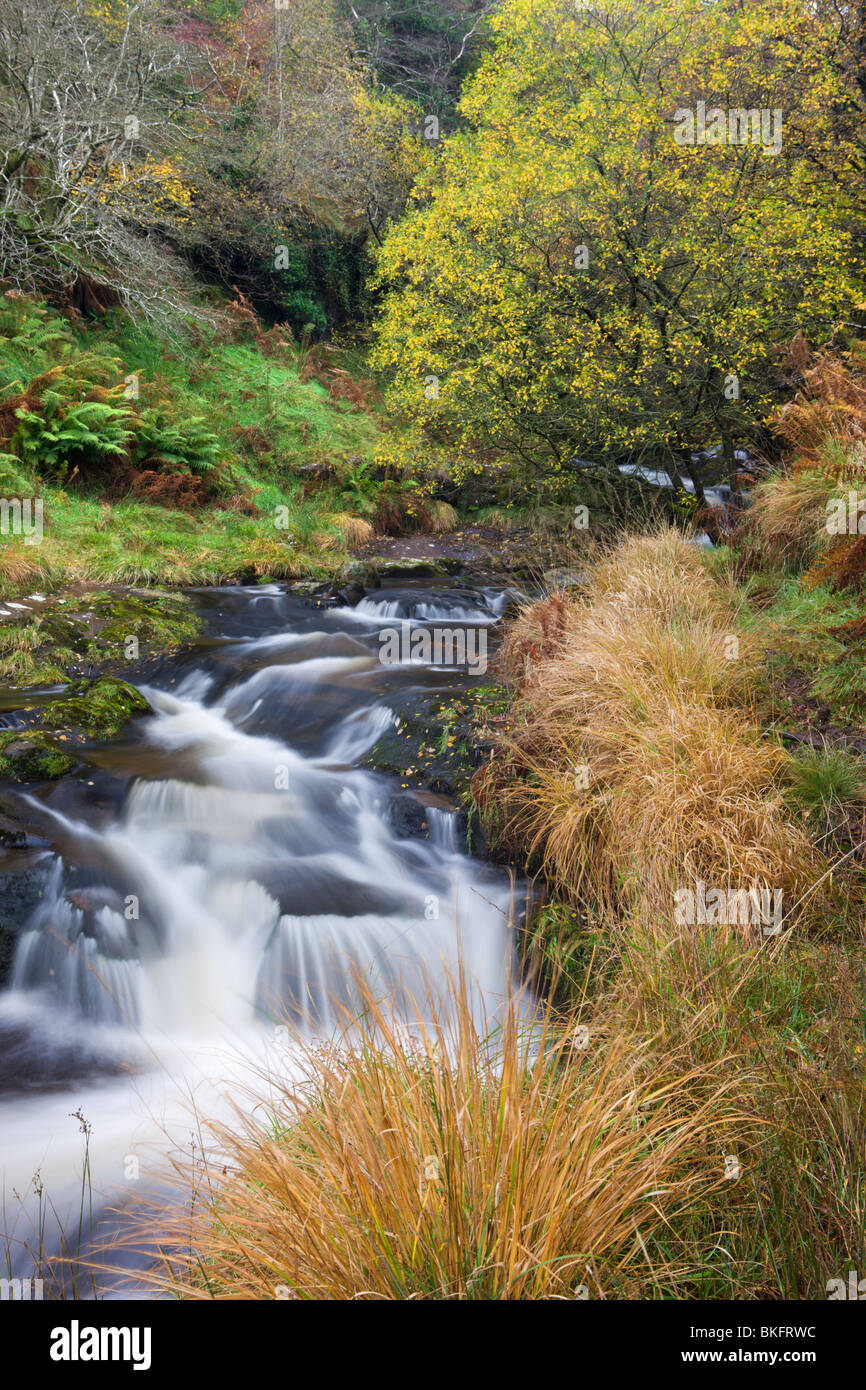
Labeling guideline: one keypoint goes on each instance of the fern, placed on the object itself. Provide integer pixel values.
(54, 438)
(176, 446)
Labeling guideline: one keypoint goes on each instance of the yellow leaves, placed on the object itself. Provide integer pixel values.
(571, 146)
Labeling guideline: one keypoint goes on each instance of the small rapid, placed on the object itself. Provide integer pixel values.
(228, 871)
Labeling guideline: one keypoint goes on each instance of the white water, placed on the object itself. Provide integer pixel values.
(243, 884)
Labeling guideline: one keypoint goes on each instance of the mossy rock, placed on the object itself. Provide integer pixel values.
(97, 631)
(87, 711)
(33, 756)
(155, 618)
(20, 892)
(99, 708)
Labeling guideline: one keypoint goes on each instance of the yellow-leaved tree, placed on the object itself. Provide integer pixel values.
(646, 200)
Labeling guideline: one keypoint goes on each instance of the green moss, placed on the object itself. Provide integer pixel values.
(571, 955)
(98, 708)
(156, 620)
(32, 756)
(50, 647)
(55, 742)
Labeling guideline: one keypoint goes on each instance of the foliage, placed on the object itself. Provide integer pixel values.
(55, 438)
(571, 278)
(184, 445)
(452, 1160)
(421, 49)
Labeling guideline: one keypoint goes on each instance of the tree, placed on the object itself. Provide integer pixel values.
(580, 273)
(90, 100)
(420, 49)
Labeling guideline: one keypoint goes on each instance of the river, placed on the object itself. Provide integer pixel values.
(221, 877)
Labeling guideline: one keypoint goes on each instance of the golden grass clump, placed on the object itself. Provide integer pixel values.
(637, 766)
(796, 512)
(443, 516)
(445, 1163)
(789, 514)
(355, 529)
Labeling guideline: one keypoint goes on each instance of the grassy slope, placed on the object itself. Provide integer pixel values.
(732, 764)
(270, 423)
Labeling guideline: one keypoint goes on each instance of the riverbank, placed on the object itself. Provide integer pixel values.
(694, 809)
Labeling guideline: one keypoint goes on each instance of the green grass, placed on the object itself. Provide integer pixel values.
(236, 388)
(271, 519)
(91, 631)
(141, 543)
(826, 778)
(797, 626)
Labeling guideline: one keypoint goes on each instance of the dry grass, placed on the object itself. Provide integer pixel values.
(355, 529)
(825, 428)
(789, 514)
(442, 516)
(454, 1166)
(793, 1013)
(637, 766)
(17, 565)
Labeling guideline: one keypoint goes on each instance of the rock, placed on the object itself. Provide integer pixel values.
(564, 579)
(99, 708)
(418, 569)
(352, 594)
(20, 894)
(360, 572)
(85, 711)
(407, 816)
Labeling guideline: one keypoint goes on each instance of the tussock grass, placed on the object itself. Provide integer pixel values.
(824, 778)
(792, 1016)
(788, 515)
(443, 517)
(451, 1164)
(355, 529)
(637, 764)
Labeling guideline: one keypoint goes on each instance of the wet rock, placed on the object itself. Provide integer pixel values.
(361, 574)
(564, 578)
(20, 894)
(99, 708)
(310, 588)
(407, 817)
(351, 594)
(57, 740)
(419, 569)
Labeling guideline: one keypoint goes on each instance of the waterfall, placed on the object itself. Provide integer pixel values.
(250, 880)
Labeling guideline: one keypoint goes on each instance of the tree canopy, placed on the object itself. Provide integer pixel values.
(577, 272)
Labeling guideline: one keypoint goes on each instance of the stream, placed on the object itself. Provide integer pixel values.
(225, 871)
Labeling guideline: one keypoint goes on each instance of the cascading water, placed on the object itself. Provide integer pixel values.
(249, 874)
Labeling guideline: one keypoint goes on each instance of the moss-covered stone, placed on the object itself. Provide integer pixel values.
(96, 631)
(437, 744)
(55, 740)
(99, 708)
(156, 620)
(33, 756)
